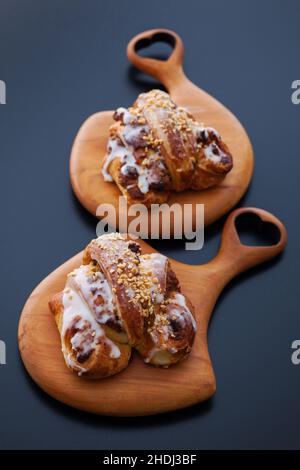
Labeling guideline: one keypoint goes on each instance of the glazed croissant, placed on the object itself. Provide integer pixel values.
(119, 299)
(156, 147)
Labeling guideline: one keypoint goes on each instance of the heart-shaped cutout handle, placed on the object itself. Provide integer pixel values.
(236, 256)
(253, 231)
(166, 71)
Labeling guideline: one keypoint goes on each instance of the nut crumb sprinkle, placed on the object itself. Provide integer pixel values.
(137, 279)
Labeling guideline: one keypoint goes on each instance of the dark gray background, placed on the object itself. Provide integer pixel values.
(63, 61)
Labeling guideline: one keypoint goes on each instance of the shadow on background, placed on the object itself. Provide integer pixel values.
(115, 422)
(157, 49)
(141, 82)
(88, 219)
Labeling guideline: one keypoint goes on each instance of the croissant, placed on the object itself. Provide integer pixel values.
(156, 147)
(120, 299)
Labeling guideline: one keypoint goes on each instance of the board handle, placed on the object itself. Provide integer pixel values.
(235, 257)
(169, 72)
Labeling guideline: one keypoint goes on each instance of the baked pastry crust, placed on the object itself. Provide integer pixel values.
(156, 147)
(91, 348)
(170, 329)
(120, 299)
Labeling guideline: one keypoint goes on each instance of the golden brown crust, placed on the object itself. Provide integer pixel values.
(115, 258)
(156, 147)
(118, 299)
(170, 331)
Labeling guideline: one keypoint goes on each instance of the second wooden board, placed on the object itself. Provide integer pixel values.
(90, 144)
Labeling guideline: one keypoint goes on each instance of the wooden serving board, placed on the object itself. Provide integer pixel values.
(140, 389)
(89, 147)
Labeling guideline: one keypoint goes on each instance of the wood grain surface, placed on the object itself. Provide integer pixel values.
(89, 147)
(141, 389)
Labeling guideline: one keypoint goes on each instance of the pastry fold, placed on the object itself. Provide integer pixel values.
(156, 147)
(120, 299)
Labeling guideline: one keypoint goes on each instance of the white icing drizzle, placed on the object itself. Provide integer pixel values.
(114, 150)
(128, 161)
(96, 292)
(213, 131)
(198, 129)
(84, 340)
(155, 263)
(130, 292)
(110, 236)
(125, 151)
(158, 261)
(90, 334)
(179, 299)
(209, 152)
(143, 181)
(115, 352)
(173, 350)
(131, 133)
(72, 364)
(126, 115)
(159, 298)
(151, 354)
